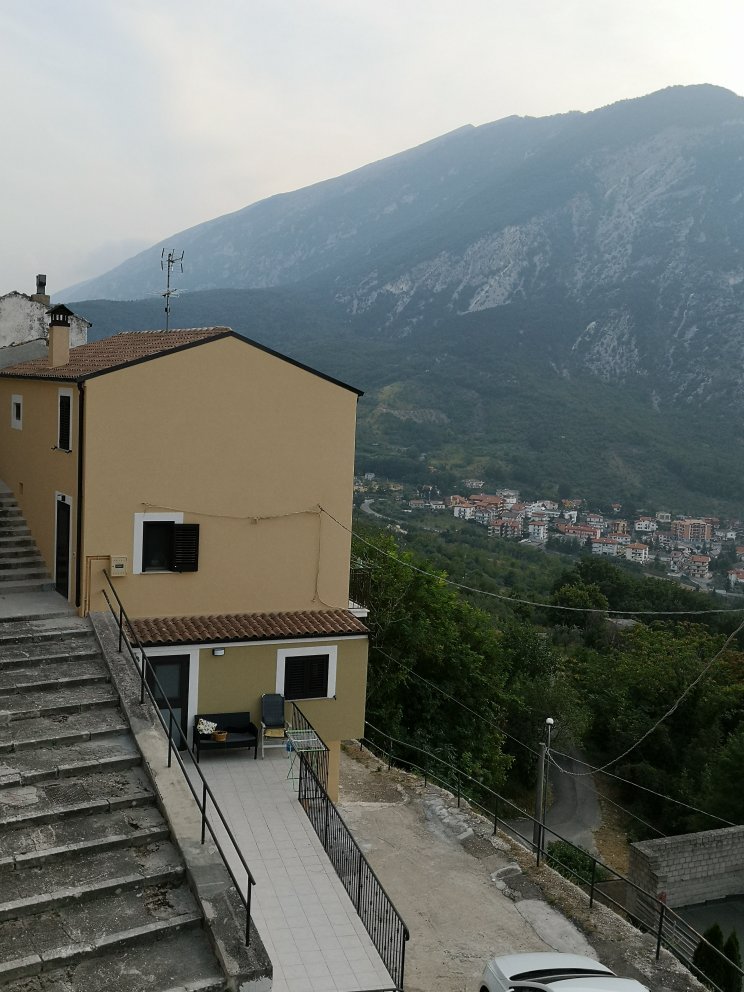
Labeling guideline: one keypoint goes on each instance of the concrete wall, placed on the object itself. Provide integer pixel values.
(24, 320)
(244, 444)
(690, 868)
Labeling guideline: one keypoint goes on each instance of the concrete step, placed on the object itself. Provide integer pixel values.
(38, 630)
(16, 544)
(177, 963)
(55, 939)
(8, 586)
(25, 845)
(47, 886)
(48, 802)
(73, 651)
(47, 763)
(47, 702)
(35, 569)
(61, 729)
(20, 560)
(48, 674)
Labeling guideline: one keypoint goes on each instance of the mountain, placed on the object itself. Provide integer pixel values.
(592, 263)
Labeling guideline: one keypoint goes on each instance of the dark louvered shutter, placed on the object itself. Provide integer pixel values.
(63, 441)
(185, 547)
(306, 677)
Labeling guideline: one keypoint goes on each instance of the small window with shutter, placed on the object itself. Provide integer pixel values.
(306, 676)
(64, 420)
(169, 547)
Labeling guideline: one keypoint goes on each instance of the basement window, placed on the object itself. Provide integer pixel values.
(306, 673)
(16, 412)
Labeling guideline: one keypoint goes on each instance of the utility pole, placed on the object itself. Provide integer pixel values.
(166, 264)
(541, 789)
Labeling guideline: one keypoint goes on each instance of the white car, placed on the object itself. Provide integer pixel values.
(552, 972)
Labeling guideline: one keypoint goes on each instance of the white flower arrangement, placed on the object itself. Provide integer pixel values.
(205, 727)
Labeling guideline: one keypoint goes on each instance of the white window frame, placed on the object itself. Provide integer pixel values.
(16, 422)
(193, 652)
(60, 394)
(330, 649)
(139, 535)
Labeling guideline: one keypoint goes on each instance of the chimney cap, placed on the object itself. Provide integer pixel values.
(41, 284)
(59, 312)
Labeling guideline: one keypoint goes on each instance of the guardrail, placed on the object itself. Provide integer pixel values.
(669, 928)
(128, 638)
(381, 919)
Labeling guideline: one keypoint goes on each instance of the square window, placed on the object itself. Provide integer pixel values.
(169, 547)
(306, 676)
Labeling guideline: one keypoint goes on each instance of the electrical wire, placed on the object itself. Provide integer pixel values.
(524, 602)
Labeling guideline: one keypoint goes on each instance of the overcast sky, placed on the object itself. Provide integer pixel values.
(125, 121)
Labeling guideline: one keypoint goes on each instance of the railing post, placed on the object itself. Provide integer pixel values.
(121, 624)
(591, 890)
(248, 914)
(359, 885)
(142, 679)
(170, 736)
(390, 753)
(458, 790)
(496, 818)
(325, 838)
(204, 811)
(661, 927)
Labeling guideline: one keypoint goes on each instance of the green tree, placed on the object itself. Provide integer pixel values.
(710, 965)
(733, 972)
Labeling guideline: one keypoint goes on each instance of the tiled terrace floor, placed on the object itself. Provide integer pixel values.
(310, 928)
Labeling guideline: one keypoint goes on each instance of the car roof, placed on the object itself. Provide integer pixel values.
(589, 983)
(511, 965)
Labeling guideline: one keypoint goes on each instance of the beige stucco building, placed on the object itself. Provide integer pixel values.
(212, 478)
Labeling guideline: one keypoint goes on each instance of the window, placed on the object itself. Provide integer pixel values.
(306, 677)
(169, 547)
(306, 673)
(64, 420)
(164, 543)
(16, 412)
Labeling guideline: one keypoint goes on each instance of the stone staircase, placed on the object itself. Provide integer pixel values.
(22, 568)
(93, 893)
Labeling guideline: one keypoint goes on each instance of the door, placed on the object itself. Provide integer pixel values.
(172, 672)
(62, 547)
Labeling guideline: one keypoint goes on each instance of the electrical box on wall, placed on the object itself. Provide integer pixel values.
(118, 565)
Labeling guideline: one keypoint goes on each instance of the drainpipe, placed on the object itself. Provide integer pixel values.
(79, 528)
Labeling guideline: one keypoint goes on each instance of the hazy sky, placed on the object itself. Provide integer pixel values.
(125, 121)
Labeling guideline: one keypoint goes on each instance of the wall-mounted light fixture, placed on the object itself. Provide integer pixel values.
(218, 652)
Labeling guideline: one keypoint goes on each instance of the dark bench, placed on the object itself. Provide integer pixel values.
(240, 732)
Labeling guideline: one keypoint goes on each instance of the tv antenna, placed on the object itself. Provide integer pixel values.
(167, 262)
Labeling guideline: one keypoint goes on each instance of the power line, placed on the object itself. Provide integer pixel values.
(524, 602)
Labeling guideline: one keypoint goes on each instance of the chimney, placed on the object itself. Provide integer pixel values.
(40, 296)
(59, 335)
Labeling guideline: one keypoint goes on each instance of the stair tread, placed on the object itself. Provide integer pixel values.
(43, 629)
(38, 652)
(20, 767)
(88, 872)
(44, 800)
(30, 840)
(53, 698)
(61, 727)
(90, 921)
(179, 962)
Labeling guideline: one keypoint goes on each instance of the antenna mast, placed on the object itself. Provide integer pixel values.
(166, 264)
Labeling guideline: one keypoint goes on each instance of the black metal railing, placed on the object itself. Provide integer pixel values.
(381, 919)
(128, 638)
(647, 912)
(317, 758)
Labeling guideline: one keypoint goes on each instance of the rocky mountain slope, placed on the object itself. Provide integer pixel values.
(605, 247)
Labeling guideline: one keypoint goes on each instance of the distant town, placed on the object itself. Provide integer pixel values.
(698, 548)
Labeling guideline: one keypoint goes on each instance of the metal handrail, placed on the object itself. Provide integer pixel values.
(668, 920)
(144, 669)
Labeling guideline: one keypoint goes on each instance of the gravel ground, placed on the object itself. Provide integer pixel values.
(466, 895)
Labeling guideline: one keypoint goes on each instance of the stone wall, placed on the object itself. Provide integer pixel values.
(689, 868)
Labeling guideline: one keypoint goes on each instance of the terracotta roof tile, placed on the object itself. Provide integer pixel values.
(246, 627)
(114, 352)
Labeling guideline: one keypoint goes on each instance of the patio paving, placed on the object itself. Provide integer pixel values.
(312, 933)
